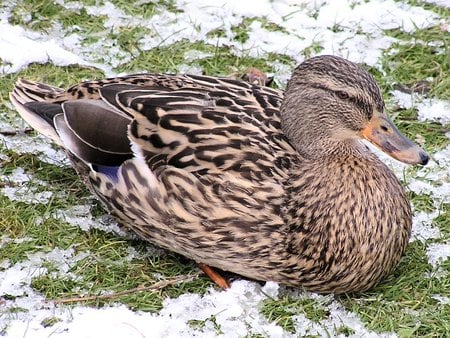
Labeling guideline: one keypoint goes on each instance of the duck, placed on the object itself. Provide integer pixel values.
(269, 184)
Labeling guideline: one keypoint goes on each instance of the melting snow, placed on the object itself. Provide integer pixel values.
(39, 146)
(442, 299)
(438, 253)
(434, 110)
(352, 29)
(427, 109)
(422, 227)
(80, 216)
(19, 48)
(17, 189)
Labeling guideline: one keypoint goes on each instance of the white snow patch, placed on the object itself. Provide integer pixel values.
(39, 145)
(17, 176)
(27, 194)
(15, 284)
(338, 318)
(438, 253)
(18, 189)
(441, 299)
(19, 48)
(16, 279)
(282, 73)
(6, 239)
(423, 228)
(441, 3)
(348, 29)
(427, 109)
(434, 178)
(80, 216)
(235, 312)
(404, 100)
(189, 69)
(434, 110)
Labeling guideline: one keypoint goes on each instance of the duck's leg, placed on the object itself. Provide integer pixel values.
(214, 276)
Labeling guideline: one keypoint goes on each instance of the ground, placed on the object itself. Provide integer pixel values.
(66, 268)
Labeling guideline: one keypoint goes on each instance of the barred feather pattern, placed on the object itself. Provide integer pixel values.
(212, 177)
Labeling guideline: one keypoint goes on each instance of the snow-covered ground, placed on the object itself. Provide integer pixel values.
(360, 38)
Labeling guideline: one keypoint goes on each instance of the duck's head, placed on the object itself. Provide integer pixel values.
(331, 104)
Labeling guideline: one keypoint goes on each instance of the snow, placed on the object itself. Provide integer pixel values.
(352, 29)
(39, 146)
(442, 3)
(80, 216)
(16, 188)
(438, 253)
(434, 110)
(423, 228)
(348, 29)
(441, 299)
(19, 48)
(427, 109)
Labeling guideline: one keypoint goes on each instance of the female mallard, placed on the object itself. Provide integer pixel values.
(233, 175)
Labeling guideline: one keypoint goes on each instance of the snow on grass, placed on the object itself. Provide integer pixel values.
(434, 179)
(235, 311)
(427, 109)
(350, 29)
(438, 253)
(39, 146)
(17, 189)
(22, 308)
(338, 318)
(423, 228)
(441, 3)
(230, 313)
(434, 110)
(442, 299)
(19, 48)
(80, 216)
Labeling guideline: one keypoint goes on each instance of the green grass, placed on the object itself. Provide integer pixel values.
(42, 15)
(420, 57)
(403, 303)
(284, 309)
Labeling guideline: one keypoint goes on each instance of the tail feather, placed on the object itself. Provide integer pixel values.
(27, 92)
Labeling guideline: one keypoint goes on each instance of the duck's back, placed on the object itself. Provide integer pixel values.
(205, 171)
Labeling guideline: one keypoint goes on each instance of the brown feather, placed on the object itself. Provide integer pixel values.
(245, 178)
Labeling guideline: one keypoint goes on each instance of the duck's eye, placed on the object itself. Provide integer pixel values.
(342, 95)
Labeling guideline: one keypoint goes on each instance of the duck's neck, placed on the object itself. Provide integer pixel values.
(333, 151)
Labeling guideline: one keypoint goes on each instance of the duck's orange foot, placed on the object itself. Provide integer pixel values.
(214, 276)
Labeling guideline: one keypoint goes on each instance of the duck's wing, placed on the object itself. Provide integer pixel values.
(197, 123)
(207, 177)
(218, 125)
(192, 164)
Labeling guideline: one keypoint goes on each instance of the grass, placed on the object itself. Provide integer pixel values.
(404, 303)
(283, 311)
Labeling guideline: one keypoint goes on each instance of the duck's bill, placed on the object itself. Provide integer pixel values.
(381, 132)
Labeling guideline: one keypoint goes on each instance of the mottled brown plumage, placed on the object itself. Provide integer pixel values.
(270, 185)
